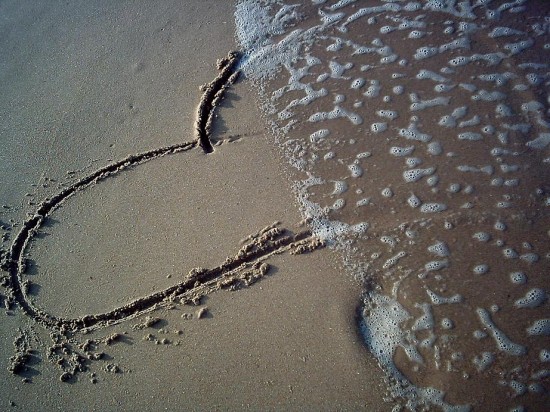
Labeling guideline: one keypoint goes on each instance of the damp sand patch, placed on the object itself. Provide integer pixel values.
(412, 130)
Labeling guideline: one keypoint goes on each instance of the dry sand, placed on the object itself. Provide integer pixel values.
(88, 83)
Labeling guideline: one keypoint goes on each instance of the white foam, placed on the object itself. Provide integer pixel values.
(532, 299)
(484, 361)
(440, 300)
(433, 207)
(540, 327)
(414, 175)
(502, 341)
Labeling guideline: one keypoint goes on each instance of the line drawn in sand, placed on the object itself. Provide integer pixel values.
(241, 270)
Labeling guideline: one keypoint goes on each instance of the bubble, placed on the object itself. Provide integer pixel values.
(439, 248)
(398, 90)
(338, 204)
(432, 180)
(425, 52)
(340, 187)
(393, 260)
(413, 161)
(363, 155)
(499, 225)
(360, 228)
(433, 207)
(530, 257)
(544, 355)
(471, 136)
(319, 135)
(389, 240)
(540, 327)
(447, 121)
(363, 202)
(518, 278)
(518, 387)
(501, 340)
(317, 117)
(413, 201)
(483, 361)
(389, 114)
(402, 151)
(454, 188)
(434, 148)
(416, 34)
(387, 192)
(532, 299)
(478, 334)
(510, 253)
(414, 175)
(378, 127)
(358, 83)
(356, 170)
(481, 269)
(436, 265)
(329, 155)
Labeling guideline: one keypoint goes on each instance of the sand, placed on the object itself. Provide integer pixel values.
(87, 84)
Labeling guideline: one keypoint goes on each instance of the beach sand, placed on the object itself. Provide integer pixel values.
(86, 84)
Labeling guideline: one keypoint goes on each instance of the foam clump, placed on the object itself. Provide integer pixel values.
(379, 127)
(481, 269)
(510, 253)
(518, 278)
(433, 207)
(447, 323)
(401, 151)
(412, 133)
(471, 136)
(440, 300)
(413, 201)
(414, 175)
(483, 361)
(356, 170)
(540, 327)
(532, 299)
(502, 341)
(393, 260)
(436, 265)
(434, 148)
(318, 135)
(439, 249)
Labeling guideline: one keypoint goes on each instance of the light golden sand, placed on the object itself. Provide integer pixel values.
(91, 82)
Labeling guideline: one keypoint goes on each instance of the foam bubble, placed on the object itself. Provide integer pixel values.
(434, 148)
(356, 170)
(379, 127)
(433, 207)
(402, 151)
(319, 135)
(540, 327)
(519, 278)
(532, 299)
(436, 265)
(414, 175)
(440, 300)
(483, 361)
(502, 341)
(439, 249)
(413, 201)
(481, 269)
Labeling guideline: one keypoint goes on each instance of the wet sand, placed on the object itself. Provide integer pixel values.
(87, 84)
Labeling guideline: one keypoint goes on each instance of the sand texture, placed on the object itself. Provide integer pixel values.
(141, 266)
